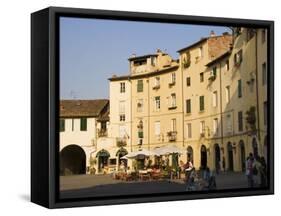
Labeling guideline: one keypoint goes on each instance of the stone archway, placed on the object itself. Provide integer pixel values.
(230, 156)
(103, 156)
(217, 157)
(242, 155)
(72, 160)
(204, 158)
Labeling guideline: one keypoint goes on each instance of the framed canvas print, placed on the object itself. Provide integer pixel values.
(138, 107)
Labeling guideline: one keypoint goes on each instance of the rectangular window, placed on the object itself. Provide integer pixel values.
(265, 113)
(214, 72)
(215, 126)
(201, 54)
(227, 94)
(227, 65)
(173, 78)
(157, 103)
(157, 128)
(122, 87)
(239, 88)
(62, 125)
(215, 99)
(228, 124)
(201, 103)
(140, 105)
(202, 127)
(238, 58)
(240, 121)
(188, 81)
(140, 86)
(156, 83)
(188, 106)
(173, 102)
(83, 124)
(122, 117)
(173, 125)
(189, 130)
(264, 74)
(121, 107)
(202, 77)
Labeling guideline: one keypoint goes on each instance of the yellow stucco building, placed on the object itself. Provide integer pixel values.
(211, 103)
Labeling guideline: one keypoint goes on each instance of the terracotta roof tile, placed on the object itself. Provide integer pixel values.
(83, 108)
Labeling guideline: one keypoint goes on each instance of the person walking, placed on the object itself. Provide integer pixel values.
(189, 172)
(249, 170)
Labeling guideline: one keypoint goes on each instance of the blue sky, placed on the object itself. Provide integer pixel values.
(92, 50)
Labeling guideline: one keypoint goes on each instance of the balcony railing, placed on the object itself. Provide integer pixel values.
(102, 133)
(172, 135)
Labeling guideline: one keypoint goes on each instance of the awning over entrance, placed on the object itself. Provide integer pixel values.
(103, 153)
(121, 152)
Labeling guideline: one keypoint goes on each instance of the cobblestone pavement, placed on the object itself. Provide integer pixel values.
(104, 185)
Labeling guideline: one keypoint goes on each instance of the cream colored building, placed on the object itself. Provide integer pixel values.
(82, 123)
(200, 99)
(211, 103)
(221, 136)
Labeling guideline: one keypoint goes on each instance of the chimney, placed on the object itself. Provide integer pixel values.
(212, 34)
(159, 50)
(133, 55)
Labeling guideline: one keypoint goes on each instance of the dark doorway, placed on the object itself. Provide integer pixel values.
(103, 157)
(242, 155)
(72, 160)
(217, 156)
(121, 153)
(203, 157)
(230, 156)
(189, 154)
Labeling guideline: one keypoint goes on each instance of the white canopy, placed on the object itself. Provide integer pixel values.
(142, 152)
(168, 149)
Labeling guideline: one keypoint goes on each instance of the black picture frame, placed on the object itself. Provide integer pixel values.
(45, 103)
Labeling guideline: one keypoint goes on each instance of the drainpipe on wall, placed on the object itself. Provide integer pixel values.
(221, 117)
(131, 110)
(183, 103)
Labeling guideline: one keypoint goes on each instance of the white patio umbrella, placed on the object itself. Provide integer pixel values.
(164, 150)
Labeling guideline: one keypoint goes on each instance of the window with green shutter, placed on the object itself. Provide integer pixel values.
(239, 88)
(83, 124)
(188, 106)
(214, 71)
(62, 125)
(140, 86)
(201, 103)
(140, 134)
